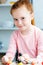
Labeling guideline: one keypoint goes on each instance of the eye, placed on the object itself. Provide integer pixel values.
(15, 19)
(23, 18)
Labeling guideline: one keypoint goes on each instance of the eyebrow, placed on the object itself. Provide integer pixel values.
(20, 17)
(14, 18)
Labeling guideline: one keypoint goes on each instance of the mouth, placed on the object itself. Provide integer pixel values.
(20, 26)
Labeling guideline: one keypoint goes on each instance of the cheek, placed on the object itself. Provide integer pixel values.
(27, 23)
(15, 23)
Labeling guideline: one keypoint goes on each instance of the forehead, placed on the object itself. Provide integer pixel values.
(22, 11)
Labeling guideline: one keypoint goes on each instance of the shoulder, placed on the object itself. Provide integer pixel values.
(15, 33)
(37, 31)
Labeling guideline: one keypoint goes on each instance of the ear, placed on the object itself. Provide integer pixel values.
(32, 16)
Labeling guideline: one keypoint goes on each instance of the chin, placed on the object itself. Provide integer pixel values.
(23, 29)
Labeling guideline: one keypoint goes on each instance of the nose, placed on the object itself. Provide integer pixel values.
(19, 21)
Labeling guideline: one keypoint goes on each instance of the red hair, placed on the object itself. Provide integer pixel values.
(20, 3)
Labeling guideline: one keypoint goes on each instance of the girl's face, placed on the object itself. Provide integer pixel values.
(22, 18)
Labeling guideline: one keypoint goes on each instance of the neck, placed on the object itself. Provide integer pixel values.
(24, 32)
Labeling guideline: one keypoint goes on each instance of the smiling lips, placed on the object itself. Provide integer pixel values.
(20, 26)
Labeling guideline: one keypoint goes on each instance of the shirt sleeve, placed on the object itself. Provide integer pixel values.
(12, 47)
(40, 45)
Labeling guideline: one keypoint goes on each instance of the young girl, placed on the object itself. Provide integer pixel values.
(28, 39)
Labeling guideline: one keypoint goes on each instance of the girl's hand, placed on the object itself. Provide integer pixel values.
(6, 60)
(24, 58)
